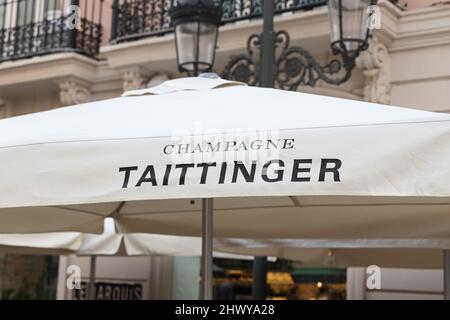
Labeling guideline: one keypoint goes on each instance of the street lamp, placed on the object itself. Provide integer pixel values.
(196, 24)
(295, 66)
(349, 27)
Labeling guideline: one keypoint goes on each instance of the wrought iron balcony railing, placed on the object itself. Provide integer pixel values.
(135, 19)
(37, 27)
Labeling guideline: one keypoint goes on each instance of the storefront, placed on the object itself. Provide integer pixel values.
(24, 277)
(233, 280)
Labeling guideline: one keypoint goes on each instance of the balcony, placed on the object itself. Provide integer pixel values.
(38, 27)
(136, 19)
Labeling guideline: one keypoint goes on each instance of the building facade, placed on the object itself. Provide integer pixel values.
(120, 45)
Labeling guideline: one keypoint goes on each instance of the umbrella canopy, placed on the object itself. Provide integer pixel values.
(394, 253)
(109, 243)
(57, 243)
(389, 253)
(407, 253)
(112, 243)
(282, 164)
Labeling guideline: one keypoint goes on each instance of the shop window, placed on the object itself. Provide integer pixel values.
(28, 277)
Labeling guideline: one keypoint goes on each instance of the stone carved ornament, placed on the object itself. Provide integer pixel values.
(73, 93)
(133, 80)
(375, 65)
(3, 110)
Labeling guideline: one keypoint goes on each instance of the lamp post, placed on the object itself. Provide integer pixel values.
(196, 25)
(295, 66)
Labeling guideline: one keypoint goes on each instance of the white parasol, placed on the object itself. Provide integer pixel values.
(281, 165)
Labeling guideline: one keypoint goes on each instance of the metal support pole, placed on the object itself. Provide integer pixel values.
(267, 46)
(446, 274)
(267, 81)
(92, 270)
(72, 33)
(207, 249)
(259, 278)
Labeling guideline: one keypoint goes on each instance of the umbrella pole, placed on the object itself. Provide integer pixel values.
(446, 274)
(259, 289)
(92, 269)
(207, 250)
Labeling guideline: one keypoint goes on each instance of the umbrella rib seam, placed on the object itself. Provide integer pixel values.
(116, 212)
(285, 207)
(211, 134)
(77, 210)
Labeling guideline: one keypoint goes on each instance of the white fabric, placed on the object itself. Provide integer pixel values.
(110, 243)
(169, 86)
(58, 243)
(107, 244)
(113, 243)
(335, 243)
(60, 168)
(391, 253)
(407, 253)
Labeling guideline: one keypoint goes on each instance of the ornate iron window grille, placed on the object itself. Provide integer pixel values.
(136, 19)
(28, 30)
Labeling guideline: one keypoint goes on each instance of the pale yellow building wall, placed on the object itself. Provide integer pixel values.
(421, 78)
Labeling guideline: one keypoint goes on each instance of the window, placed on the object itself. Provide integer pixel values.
(52, 9)
(25, 12)
(22, 12)
(2, 13)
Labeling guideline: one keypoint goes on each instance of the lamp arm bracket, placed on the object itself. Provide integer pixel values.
(294, 66)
